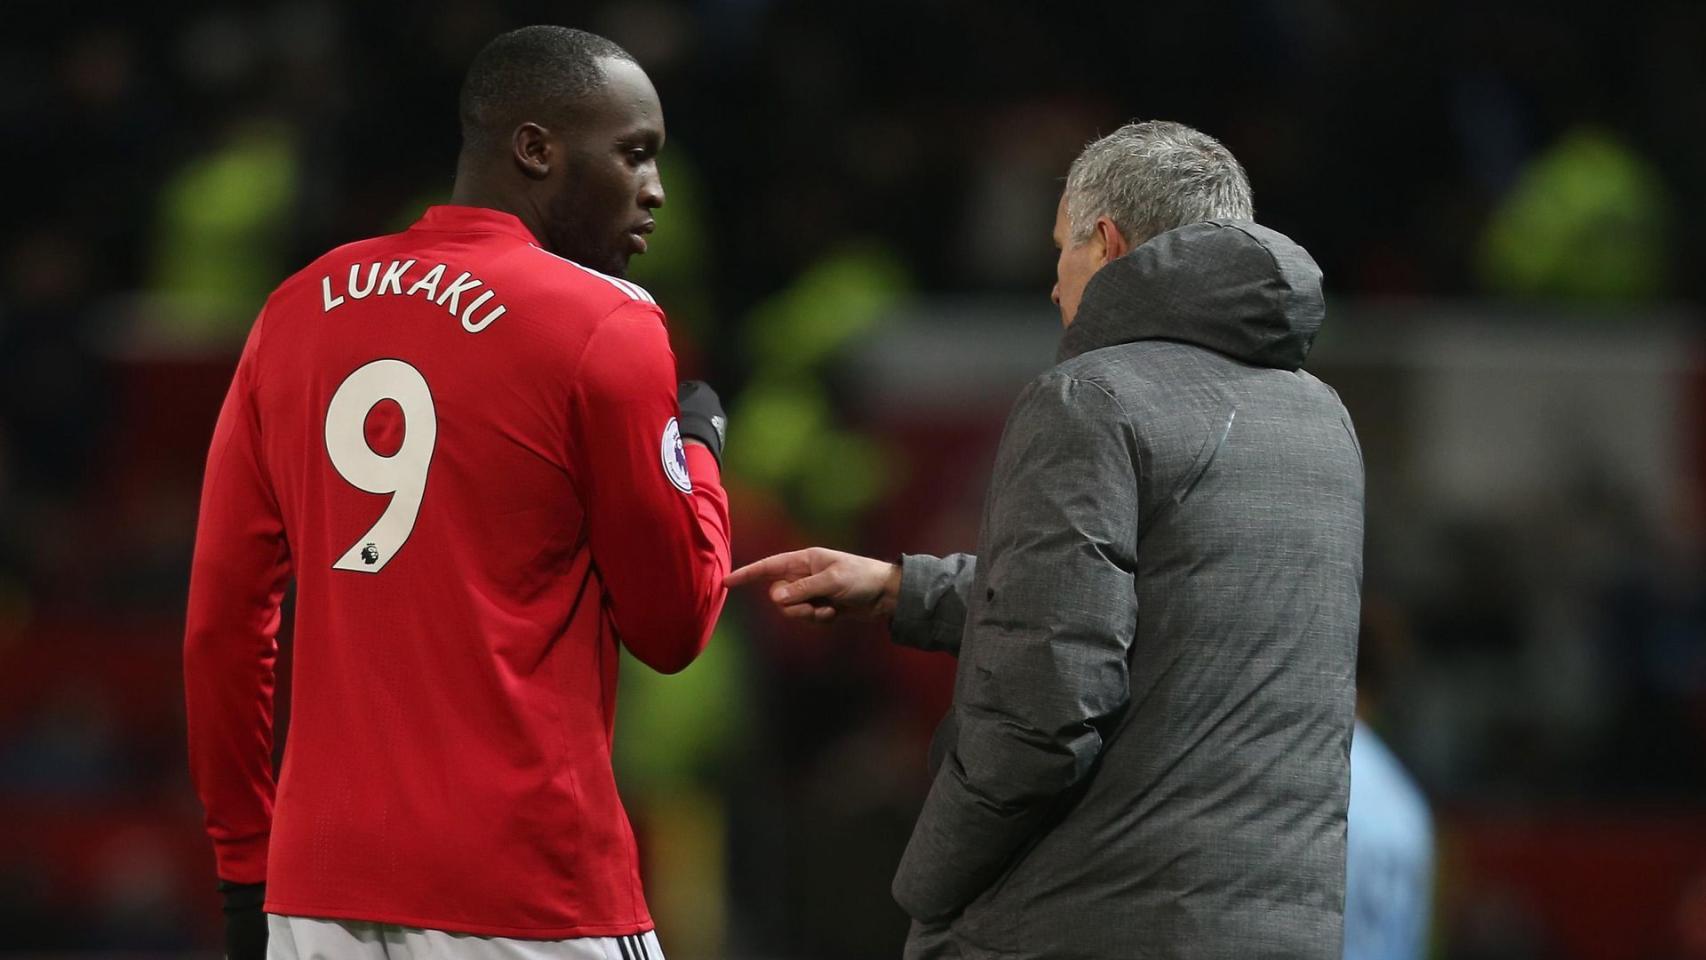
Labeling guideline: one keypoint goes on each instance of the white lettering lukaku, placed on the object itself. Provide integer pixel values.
(386, 279)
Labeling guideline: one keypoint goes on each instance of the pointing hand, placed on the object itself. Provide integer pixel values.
(819, 585)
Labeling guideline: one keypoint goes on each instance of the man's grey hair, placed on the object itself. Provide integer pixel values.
(1151, 177)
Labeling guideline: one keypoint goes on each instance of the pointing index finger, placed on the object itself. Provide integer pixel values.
(770, 568)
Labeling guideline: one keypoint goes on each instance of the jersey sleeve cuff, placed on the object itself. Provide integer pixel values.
(242, 862)
(702, 465)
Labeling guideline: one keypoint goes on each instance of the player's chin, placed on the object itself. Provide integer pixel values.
(617, 264)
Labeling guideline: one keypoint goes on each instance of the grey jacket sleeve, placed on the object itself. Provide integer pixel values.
(931, 612)
(1042, 670)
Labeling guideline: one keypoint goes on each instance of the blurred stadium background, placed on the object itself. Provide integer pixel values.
(1507, 201)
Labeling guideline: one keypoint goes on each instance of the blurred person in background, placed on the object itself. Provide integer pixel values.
(1389, 846)
(465, 443)
(1148, 749)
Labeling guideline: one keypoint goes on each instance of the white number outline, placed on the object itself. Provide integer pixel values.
(357, 464)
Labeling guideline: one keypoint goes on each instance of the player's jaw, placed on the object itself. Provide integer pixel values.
(602, 236)
(621, 248)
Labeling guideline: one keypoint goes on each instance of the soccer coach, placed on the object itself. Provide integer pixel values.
(1157, 636)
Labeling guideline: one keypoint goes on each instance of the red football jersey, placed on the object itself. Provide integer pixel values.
(464, 450)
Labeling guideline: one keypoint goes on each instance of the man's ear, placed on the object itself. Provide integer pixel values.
(531, 147)
(1113, 242)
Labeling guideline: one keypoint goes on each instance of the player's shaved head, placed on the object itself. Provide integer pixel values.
(562, 128)
(533, 73)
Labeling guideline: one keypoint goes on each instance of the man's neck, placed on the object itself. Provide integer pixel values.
(475, 191)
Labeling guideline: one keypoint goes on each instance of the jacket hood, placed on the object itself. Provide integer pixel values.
(1232, 286)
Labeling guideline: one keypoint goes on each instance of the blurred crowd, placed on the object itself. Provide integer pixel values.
(828, 165)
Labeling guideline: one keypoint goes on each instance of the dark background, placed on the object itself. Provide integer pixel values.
(1506, 199)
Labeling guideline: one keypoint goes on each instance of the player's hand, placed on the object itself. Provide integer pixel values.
(820, 585)
(702, 417)
(245, 924)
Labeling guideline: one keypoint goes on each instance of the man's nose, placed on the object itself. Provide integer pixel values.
(1054, 294)
(651, 193)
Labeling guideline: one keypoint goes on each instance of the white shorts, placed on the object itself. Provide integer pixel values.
(307, 938)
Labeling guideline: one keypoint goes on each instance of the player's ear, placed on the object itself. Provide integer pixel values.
(531, 147)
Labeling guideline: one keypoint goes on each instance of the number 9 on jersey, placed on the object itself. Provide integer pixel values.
(403, 474)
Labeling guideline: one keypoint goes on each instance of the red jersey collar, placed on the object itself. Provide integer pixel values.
(459, 219)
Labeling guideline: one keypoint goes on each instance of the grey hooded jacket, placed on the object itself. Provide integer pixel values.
(1157, 638)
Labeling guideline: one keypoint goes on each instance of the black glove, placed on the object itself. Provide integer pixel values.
(245, 924)
(702, 416)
